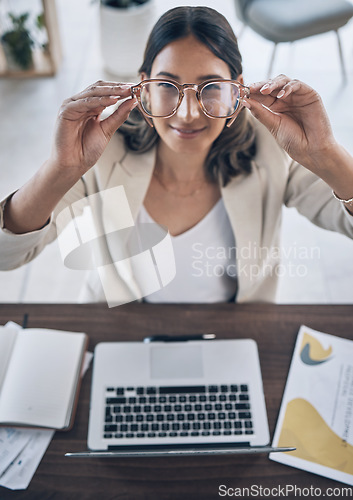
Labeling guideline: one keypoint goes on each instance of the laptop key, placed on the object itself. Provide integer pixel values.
(140, 435)
(162, 434)
(194, 433)
(216, 433)
(192, 389)
(242, 406)
(170, 416)
(108, 436)
(110, 428)
(175, 426)
(205, 433)
(244, 388)
(248, 431)
(151, 434)
(238, 432)
(184, 434)
(245, 414)
(115, 401)
(140, 390)
(213, 388)
(237, 424)
(118, 435)
(151, 390)
(130, 435)
(248, 424)
(201, 416)
(227, 433)
(173, 434)
(234, 388)
(224, 388)
(243, 397)
(120, 391)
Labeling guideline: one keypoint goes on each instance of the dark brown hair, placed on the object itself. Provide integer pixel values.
(233, 150)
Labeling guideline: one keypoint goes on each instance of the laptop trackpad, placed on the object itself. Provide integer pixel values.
(176, 361)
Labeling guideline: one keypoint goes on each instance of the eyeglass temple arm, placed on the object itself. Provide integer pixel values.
(246, 95)
(135, 94)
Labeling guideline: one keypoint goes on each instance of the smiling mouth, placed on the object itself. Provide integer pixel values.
(188, 131)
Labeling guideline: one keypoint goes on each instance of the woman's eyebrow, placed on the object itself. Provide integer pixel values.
(201, 78)
(166, 73)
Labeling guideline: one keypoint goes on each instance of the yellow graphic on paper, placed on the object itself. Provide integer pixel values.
(304, 428)
(311, 351)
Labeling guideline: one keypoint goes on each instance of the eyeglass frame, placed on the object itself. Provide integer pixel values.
(244, 93)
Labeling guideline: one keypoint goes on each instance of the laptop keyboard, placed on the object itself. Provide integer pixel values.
(177, 411)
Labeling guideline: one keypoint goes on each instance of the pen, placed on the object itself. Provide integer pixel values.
(25, 320)
(180, 338)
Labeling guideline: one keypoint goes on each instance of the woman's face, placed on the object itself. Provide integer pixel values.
(187, 60)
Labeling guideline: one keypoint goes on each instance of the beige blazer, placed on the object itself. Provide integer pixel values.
(253, 203)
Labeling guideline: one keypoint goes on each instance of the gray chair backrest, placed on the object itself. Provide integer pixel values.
(240, 9)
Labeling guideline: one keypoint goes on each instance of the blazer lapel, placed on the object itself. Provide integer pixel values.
(242, 199)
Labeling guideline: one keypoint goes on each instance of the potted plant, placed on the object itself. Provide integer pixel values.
(124, 29)
(18, 43)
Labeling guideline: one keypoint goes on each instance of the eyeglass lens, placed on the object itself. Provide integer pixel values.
(218, 99)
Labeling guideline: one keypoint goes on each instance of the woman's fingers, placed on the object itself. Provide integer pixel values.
(118, 90)
(264, 115)
(115, 120)
(87, 106)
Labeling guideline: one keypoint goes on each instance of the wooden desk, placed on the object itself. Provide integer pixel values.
(274, 327)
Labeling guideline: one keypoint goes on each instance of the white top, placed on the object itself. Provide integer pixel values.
(205, 261)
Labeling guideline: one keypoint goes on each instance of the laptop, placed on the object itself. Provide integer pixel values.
(190, 397)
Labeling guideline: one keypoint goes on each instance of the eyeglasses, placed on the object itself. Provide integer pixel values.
(217, 98)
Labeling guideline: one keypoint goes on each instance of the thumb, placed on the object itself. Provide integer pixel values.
(112, 123)
(265, 116)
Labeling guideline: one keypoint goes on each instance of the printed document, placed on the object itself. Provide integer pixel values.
(316, 414)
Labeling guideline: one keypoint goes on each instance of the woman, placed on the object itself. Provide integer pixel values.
(213, 186)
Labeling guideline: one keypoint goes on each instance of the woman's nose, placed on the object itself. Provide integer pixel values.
(189, 108)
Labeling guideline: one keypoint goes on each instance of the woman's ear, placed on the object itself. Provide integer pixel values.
(143, 76)
(240, 79)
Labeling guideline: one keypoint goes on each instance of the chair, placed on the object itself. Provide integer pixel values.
(290, 20)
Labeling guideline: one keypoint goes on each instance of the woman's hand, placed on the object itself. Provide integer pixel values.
(81, 136)
(294, 114)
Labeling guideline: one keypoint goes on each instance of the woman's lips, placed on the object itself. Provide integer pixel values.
(188, 133)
